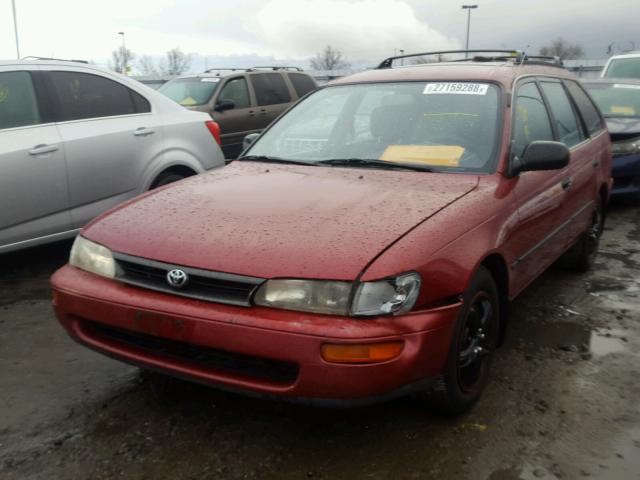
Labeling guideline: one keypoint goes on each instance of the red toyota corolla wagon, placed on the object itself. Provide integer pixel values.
(365, 246)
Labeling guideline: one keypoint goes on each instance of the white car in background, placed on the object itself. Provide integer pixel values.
(76, 140)
(622, 66)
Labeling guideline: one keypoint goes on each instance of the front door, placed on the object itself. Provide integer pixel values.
(540, 236)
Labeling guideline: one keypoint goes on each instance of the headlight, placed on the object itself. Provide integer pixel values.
(626, 147)
(392, 296)
(92, 257)
(395, 295)
(305, 295)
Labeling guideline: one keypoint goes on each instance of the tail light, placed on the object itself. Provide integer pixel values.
(214, 128)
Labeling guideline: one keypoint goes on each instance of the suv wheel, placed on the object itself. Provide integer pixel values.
(472, 346)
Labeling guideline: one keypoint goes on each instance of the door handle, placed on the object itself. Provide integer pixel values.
(596, 163)
(252, 113)
(566, 183)
(43, 149)
(143, 132)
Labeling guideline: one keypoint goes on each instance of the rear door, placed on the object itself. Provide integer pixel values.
(579, 185)
(110, 136)
(33, 175)
(540, 236)
(272, 95)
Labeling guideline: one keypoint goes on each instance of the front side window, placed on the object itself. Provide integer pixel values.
(18, 105)
(566, 122)
(616, 99)
(83, 95)
(444, 126)
(190, 92)
(270, 89)
(531, 121)
(236, 90)
(624, 68)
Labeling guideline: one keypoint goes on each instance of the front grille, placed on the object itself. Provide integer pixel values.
(202, 284)
(275, 371)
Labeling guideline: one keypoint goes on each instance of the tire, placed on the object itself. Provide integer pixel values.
(581, 256)
(466, 371)
(166, 178)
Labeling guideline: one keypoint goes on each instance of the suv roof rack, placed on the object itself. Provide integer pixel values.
(56, 59)
(251, 69)
(517, 56)
(276, 67)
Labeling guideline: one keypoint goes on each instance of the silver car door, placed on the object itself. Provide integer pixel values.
(34, 197)
(110, 136)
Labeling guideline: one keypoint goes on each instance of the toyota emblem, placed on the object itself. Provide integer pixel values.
(177, 278)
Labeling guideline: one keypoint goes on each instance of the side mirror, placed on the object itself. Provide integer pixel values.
(225, 104)
(541, 155)
(249, 139)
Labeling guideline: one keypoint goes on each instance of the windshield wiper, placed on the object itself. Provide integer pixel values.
(363, 162)
(269, 159)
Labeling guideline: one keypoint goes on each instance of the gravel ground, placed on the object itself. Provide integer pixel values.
(563, 401)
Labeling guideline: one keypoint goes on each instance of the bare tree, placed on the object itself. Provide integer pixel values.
(563, 49)
(121, 60)
(177, 62)
(329, 59)
(147, 65)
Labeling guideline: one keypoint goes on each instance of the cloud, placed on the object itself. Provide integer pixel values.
(364, 29)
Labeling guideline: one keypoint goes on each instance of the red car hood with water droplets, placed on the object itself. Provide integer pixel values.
(268, 220)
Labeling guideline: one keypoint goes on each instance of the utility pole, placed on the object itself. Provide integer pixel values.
(124, 55)
(15, 28)
(468, 8)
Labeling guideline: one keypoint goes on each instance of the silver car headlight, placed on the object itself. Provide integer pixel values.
(384, 297)
(92, 257)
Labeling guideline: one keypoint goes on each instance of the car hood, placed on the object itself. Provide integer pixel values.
(623, 126)
(268, 220)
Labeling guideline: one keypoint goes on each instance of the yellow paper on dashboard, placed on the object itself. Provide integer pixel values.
(443, 155)
(623, 110)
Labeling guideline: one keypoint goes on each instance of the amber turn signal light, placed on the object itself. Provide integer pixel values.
(361, 353)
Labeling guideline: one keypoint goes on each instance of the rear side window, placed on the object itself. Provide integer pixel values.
(302, 83)
(531, 121)
(83, 95)
(270, 89)
(588, 110)
(566, 122)
(18, 105)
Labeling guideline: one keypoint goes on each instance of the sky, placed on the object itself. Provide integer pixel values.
(245, 32)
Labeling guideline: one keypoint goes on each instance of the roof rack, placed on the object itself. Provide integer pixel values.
(251, 69)
(276, 67)
(517, 56)
(56, 59)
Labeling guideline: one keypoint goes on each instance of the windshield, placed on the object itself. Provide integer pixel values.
(623, 68)
(616, 99)
(190, 92)
(447, 125)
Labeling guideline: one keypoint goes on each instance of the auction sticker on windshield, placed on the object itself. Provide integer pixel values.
(456, 88)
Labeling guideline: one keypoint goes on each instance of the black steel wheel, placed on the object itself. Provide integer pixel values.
(474, 341)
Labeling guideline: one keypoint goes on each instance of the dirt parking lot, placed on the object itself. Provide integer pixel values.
(563, 403)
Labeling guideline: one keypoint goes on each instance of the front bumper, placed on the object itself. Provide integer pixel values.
(254, 350)
(626, 176)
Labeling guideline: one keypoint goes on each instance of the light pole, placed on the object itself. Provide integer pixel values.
(124, 55)
(468, 8)
(15, 28)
